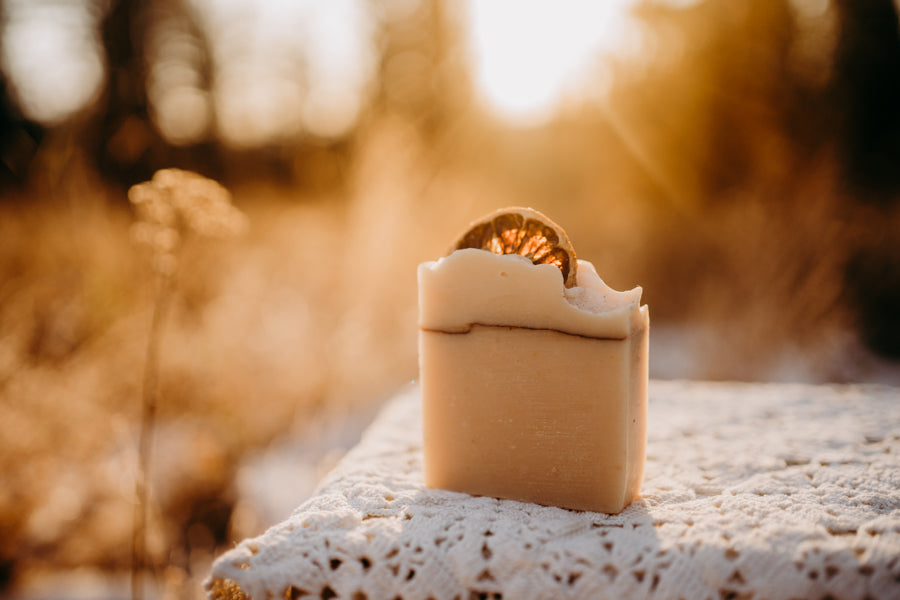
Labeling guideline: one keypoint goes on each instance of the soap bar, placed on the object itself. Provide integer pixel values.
(531, 390)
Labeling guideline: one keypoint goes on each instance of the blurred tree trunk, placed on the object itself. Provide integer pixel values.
(126, 144)
(867, 88)
(420, 77)
(19, 140)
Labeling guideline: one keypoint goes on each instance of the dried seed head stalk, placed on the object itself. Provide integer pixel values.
(176, 202)
(171, 205)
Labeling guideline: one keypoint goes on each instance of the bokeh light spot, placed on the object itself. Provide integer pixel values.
(51, 54)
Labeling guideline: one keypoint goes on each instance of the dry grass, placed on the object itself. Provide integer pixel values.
(313, 310)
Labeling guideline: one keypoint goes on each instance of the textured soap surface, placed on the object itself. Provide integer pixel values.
(531, 391)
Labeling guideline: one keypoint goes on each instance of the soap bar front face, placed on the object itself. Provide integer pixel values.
(535, 415)
(548, 407)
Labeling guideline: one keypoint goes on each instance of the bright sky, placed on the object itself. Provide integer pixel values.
(527, 55)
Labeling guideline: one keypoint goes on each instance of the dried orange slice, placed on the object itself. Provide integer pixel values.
(523, 231)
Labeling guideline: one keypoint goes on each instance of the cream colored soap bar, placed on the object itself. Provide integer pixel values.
(531, 391)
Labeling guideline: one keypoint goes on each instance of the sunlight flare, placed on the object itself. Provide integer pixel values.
(529, 54)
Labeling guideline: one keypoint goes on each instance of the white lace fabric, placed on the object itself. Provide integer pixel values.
(750, 491)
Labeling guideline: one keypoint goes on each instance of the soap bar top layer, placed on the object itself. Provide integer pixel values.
(474, 287)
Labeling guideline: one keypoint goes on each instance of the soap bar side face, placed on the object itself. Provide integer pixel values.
(638, 372)
(532, 415)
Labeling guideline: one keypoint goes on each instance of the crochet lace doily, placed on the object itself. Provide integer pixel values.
(750, 491)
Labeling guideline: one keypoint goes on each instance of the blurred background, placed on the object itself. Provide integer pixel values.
(740, 160)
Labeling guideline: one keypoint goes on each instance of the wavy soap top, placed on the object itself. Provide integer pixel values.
(477, 287)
